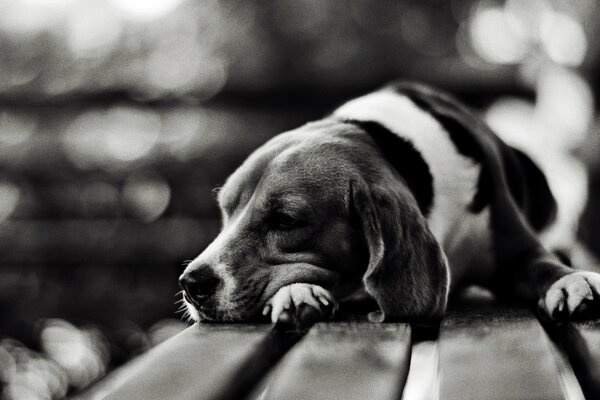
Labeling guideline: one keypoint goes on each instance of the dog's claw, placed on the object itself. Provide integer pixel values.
(572, 295)
(300, 305)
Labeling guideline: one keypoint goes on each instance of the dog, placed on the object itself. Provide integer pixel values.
(403, 195)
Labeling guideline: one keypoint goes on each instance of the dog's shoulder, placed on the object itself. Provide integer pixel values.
(526, 182)
(443, 167)
(448, 137)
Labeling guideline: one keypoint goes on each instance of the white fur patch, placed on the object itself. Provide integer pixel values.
(191, 311)
(225, 294)
(454, 175)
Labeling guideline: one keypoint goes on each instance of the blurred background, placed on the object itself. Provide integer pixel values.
(119, 117)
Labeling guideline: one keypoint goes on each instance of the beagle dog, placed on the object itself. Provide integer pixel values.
(403, 195)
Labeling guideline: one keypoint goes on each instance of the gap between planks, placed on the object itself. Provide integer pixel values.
(481, 354)
(344, 360)
(501, 353)
(205, 362)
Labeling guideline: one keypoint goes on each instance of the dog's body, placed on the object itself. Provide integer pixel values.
(403, 192)
(457, 209)
(452, 178)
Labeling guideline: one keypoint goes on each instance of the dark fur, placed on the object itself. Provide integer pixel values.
(527, 267)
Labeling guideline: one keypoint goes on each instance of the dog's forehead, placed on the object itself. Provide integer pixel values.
(306, 161)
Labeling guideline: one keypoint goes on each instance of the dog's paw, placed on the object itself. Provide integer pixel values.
(575, 294)
(300, 304)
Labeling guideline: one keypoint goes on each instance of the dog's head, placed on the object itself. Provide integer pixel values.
(317, 205)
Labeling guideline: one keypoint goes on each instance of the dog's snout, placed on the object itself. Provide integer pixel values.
(200, 283)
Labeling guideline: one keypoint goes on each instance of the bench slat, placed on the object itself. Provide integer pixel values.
(504, 354)
(582, 342)
(206, 362)
(352, 360)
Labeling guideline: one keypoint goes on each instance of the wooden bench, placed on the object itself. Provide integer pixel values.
(483, 350)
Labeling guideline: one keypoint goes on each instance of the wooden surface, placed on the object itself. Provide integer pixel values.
(504, 354)
(487, 351)
(582, 343)
(203, 362)
(345, 361)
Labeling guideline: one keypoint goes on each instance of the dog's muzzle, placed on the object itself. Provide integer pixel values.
(199, 285)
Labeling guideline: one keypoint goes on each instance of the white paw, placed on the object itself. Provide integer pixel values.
(572, 293)
(291, 301)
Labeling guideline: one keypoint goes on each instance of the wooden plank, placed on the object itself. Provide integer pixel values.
(582, 343)
(422, 382)
(206, 362)
(345, 360)
(500, 354)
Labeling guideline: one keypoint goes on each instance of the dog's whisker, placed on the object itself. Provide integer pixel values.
(189, 319)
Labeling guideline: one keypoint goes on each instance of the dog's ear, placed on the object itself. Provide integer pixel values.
(407, 272)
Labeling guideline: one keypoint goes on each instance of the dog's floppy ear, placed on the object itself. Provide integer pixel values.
(407, 272)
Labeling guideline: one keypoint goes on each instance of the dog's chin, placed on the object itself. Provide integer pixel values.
(211, 315)
(191, 313)
(198, 315)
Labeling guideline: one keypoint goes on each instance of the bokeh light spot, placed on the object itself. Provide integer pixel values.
(145, 10)
(16, 129)
(524, 16)
(22, 19)
(28, 374)
(565, 101)
(183, 68)
(9, 199)
(80, 352)
(83, 140)
(133, 133)
(146, 195)
(91, 29)
(563, 38)
(493, 39)
(112, 139)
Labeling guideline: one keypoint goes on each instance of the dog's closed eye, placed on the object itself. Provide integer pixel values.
(282, 221)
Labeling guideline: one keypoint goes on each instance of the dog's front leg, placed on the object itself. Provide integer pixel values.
(560, 291)
(564, 292)
(300, 305)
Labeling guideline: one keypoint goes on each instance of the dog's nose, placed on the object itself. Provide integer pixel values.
(199, 284)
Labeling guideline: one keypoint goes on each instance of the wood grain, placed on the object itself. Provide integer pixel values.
(499, 354)
(352, 360)
(206, 362)
(582, 343)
